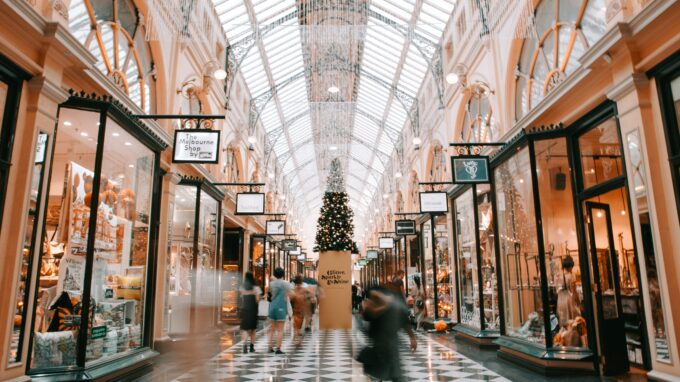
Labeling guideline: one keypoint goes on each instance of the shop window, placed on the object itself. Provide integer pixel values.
(600, 150)
(487, 256)
(258, 261)
(11, 78)
(193, 294)
(428, 268)
(563, 265)
(479, 125)
(565, 29)
(523, 304)
(112, 31)
(466, 245)
(642, 205)
(97, 231)
(31, 244)
(59, 304)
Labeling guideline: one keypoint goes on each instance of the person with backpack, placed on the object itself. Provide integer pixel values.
(250, 296)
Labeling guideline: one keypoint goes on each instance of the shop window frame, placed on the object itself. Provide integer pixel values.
(203, 186)
(482, 332)
(14, 77)
(123, 118)
(664, 73)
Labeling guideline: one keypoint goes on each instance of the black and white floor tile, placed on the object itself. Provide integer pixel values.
(328, 355)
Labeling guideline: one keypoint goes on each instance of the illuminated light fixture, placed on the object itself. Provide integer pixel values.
(271, 175)
(83, 134)
(452, 78)
(521, 180)
(333, 89)
(67, 123)
(397, 174)
(252, 139)
(417, 141)
(115, 134)
(333, 148)
(282, 197)
(599, 214)
(377, 210)
(385, 196)
(128, 144)
(220, 74)
(623, 212)
(131, 166)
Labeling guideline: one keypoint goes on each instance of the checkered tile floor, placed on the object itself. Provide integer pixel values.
(328, 355)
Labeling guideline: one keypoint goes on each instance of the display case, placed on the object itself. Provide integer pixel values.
(475, 249)
(194, 269)
(96, 261)
(436, 269)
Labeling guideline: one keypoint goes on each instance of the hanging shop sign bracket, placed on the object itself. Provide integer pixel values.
(196, 141)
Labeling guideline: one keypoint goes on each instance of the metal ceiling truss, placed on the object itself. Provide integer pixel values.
(430, 51)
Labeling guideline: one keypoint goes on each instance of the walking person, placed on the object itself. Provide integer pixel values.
(419, 310)
(300, 299)
(278, 309)
(397, 284)
(387, 314)
(250, 297)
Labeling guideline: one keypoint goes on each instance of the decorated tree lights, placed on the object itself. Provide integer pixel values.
(335, 228)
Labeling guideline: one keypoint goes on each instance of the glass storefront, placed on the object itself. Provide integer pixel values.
(91, 302)
(194, 261)
(476, 262)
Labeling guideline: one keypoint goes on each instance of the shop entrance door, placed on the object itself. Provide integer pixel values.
(606, 289)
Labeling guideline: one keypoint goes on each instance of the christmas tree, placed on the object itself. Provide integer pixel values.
(335, 227)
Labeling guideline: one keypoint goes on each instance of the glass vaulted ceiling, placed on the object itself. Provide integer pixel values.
(387, 58)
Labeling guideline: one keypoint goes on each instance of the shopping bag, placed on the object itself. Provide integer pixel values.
(263, 309)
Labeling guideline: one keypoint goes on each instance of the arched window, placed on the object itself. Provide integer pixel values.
(564, 30)
(112, 32)
(478, 123)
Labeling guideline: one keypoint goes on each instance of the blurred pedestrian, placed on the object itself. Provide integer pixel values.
(387, 314)
(301, 300)
(250, 297)
(278, 310)
(418, 296)
(397, 284)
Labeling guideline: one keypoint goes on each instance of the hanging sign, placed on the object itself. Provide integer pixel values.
(297, 251)
(40, 148)
(433, 202)
(405, 227)
(289, 245)
(276, 227)
(470, 169)
(196, 146)
(372, 254)
(309, 264)
(386, 243)
(363, 262)
(250, 203)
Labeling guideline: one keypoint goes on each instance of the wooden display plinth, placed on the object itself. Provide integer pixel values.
(335, 280)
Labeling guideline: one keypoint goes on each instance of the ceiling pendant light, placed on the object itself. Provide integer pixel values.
(333, 89)
(252, 139)
(397, 174)
(220, 74)
(333, 148)
(452, 78)
(417, 141)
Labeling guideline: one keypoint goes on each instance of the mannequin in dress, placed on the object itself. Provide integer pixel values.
(568, 304)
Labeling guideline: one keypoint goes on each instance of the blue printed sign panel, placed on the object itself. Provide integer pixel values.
(372, 254)
(470, 169)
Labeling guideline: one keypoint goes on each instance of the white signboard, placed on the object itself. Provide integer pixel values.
(196, 146)
(372, 254)
(250, 203)
(296, 252)
(276, 227)
(40, 148)
(435, 202)
(386, 243)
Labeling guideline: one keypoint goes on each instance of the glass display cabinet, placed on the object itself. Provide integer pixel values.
(194, 262)
(475, 253)
(95, 272)
(570, 278)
